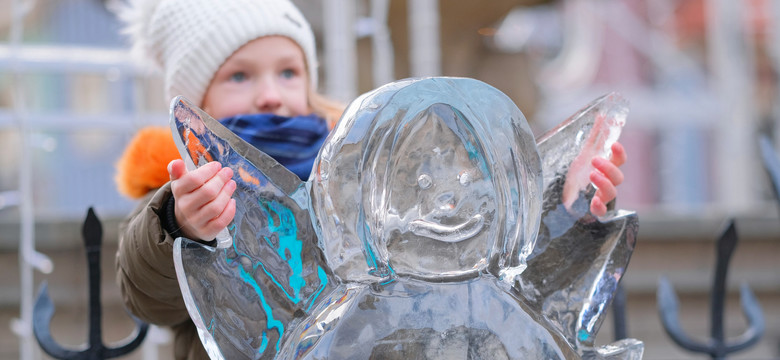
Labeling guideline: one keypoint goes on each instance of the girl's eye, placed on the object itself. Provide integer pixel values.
(238, 77)
(288, 73)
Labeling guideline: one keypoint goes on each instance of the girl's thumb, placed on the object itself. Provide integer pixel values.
(176, 169)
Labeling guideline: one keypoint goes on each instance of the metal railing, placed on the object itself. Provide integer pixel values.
(43, 312)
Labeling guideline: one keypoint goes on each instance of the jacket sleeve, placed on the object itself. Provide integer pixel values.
(144, 261)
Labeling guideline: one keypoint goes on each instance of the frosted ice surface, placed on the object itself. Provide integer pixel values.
(415, 237)
(572, 144)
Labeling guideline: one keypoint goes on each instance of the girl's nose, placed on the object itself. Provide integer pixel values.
(267, 97)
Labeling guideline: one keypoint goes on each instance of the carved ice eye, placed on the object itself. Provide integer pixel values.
(464, 178)
(424, 181)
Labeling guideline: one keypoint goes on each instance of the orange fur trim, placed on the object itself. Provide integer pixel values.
(143, 166)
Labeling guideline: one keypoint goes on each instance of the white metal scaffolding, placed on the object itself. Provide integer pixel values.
(29, 259)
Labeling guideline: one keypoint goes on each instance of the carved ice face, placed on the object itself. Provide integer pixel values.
(441, 202)
(434, 179)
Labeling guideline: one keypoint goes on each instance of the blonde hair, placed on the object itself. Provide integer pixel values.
(325, 108)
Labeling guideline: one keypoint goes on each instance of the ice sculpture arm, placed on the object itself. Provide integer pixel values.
(203, 205)
(243, 297)
(578, 259)
(606, 176)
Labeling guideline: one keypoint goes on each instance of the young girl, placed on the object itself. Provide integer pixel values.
(252, 64)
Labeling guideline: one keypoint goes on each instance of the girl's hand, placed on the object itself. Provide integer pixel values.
(203, 205)
(606, 177)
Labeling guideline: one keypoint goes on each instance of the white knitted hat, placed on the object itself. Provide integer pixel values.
(190, 39)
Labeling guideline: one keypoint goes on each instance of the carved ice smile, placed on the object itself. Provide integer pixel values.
(448, 233)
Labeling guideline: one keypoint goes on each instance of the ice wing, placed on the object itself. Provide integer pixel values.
(578, 260)
(574, 279)
(244, 293)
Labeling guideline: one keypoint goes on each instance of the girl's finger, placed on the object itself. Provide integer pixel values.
(195, 179)
(597, 207)
(608, 169)
(606, 190)
(619, 155)
(223, 219)
(216, 206)
(213, 186)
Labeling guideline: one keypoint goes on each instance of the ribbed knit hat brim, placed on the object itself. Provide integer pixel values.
(190, 39)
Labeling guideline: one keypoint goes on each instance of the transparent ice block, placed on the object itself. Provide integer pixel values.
(415, 237)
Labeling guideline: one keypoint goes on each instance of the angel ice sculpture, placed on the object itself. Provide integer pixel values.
(430, 228)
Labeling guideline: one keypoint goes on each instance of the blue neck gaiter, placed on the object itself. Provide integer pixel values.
(292, 141)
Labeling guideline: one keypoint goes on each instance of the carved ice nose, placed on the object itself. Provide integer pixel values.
(446, 202)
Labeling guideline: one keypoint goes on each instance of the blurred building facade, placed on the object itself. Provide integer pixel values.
(701, 76)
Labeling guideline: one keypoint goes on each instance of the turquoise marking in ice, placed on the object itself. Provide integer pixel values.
(288, 242)
(370, 257)
(582, 335)
(271, 322)
(474, 155)
(264, 344)
(211, 328)
(268, 273)
(286, 231)
(323, 283)
(294, 298)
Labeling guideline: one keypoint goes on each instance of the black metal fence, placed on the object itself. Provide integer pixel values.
(717, 346)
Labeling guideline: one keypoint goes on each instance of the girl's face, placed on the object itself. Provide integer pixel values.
(267, 75)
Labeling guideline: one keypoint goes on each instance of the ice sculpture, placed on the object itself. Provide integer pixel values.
(422, 233)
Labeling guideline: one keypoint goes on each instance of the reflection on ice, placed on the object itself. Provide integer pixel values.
(436, 231)
(431, 227)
